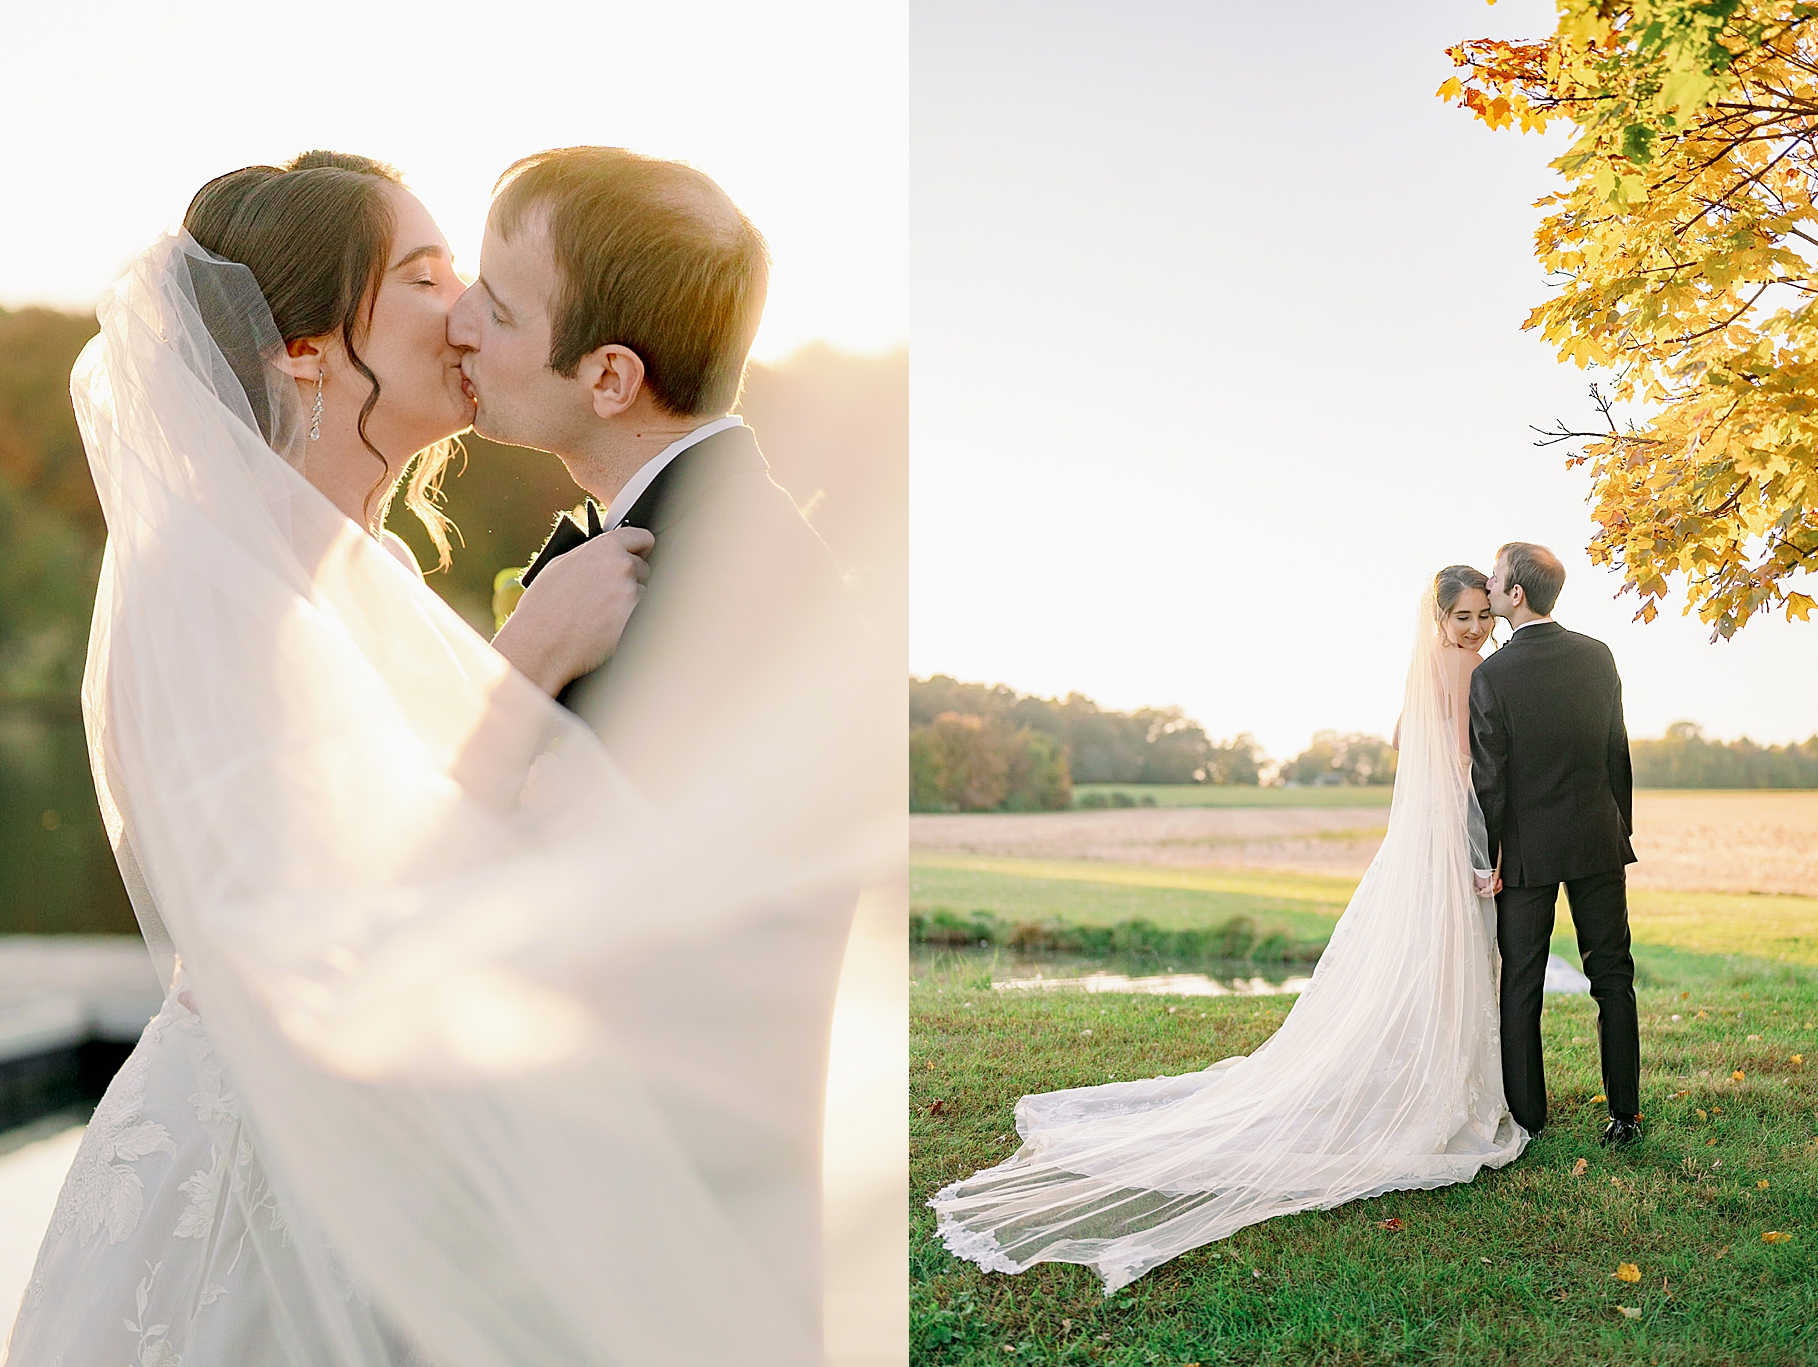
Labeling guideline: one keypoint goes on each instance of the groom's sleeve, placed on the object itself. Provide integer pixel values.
(1489, 760)
(1622, 775)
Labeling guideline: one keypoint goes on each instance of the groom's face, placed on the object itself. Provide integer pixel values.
(1500, 602)
(502, 327)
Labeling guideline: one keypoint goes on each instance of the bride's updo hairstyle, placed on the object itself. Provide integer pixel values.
(315, 234)
(1451, 583)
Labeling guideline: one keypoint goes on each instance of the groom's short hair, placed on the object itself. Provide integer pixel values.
(650, 255)
(1537, 570)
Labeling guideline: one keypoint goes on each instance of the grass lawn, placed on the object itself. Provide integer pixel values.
(1514, 1268)
(1241, 795)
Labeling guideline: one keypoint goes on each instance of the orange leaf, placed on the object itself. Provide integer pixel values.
(1393, 1225)
(1774, 1236)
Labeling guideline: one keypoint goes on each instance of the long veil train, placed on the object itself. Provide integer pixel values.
(416, 906)
(1385, 1075)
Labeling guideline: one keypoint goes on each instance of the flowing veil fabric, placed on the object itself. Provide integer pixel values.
(405, 894)
(1385, 1075)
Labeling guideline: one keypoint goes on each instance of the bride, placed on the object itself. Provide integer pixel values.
(404, 905)
(1386, 1074)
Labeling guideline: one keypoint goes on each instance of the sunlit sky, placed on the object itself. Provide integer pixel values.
(113, 114)
(1216, 316)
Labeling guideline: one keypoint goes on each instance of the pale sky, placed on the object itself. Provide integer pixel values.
(113, 114)
(1217, 357)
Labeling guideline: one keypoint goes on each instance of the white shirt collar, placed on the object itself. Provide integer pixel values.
(645, 477)
(1531, 622)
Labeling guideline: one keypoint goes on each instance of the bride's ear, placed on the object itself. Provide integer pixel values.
(303, 358)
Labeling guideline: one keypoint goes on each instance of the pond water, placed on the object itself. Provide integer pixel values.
(1005, 971)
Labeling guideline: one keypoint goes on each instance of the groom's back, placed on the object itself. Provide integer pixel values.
(1566, 786)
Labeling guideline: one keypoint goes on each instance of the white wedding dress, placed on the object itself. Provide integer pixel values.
(455, 1065)
(1386, 1074)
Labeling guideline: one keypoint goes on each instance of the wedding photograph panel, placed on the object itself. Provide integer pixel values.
(1363, 751)
(453, 647)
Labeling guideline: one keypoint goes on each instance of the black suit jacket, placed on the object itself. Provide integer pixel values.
(1550, 757)
(744, 696)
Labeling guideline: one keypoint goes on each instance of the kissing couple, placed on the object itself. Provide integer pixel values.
(1405, 1063)
(496, 1027)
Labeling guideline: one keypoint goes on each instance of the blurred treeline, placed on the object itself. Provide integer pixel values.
(984, 747)
(1683, 758)
(834, 427)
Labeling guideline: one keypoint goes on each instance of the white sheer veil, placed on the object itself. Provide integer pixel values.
(404, 889)
(1385, 1075)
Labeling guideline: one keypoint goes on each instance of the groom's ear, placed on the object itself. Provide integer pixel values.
(614, 376)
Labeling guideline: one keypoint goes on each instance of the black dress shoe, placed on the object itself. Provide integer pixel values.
(1621, 1131)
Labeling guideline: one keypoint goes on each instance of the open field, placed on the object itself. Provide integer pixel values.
(1240, 795)
(1687, 840)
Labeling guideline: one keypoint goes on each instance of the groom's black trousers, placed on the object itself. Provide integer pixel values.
(1524, 925)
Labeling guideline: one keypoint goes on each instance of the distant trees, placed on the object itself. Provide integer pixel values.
(1150, 745)
(1683, 758)
(1332, 758)
(960, 762)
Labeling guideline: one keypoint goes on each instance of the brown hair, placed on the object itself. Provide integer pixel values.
(1450, 584)
(650, 255)
(1537, 570)
(315, 234)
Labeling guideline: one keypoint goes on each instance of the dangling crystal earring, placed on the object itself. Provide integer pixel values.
(315, 417)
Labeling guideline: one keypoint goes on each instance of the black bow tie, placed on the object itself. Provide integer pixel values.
(567, 533)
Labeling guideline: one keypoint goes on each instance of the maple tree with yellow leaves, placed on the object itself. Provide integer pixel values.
(1685, 250)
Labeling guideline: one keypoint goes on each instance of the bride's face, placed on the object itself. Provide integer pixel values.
(1470, 621)
(405, 343)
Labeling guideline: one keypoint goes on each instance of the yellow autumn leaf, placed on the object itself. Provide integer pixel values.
(1630, 1312)
(1450, 89)
(1761, 1185)
(1738, 1075)
(1798, 1060)
(1627, 1272)
(1599, 1097)
(1578, 1168)
(1774, 1236)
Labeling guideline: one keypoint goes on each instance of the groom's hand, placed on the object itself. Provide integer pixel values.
(569, 620)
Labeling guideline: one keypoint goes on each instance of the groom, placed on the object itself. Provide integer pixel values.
(1550, 763)
(617, 299)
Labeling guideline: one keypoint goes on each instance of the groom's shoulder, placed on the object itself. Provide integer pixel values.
(1588, 646)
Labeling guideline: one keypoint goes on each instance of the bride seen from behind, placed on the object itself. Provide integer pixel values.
(1386, 1074)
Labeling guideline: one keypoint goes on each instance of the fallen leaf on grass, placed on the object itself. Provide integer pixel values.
(937, 1107)
(1761, 1185)
(1701, 1015)
(1721, 1252)
(1711, 1143)
(1754, 1039)
(1630, 1312)
(1798, 1060)
(1703, 1114)
(1774, 1236)
(1484, 1261)
(1393, 1225)
(1677, 1095)
(1599, 1097)
(1579, 1168)
(1738, 1075)
(1627, 1272)
(1066, 1326)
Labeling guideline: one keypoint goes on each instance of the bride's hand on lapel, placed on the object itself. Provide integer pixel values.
(569, 621)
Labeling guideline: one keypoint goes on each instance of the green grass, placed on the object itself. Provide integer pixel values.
(1240, 795)
(1096, 893)
(1335, 1286)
